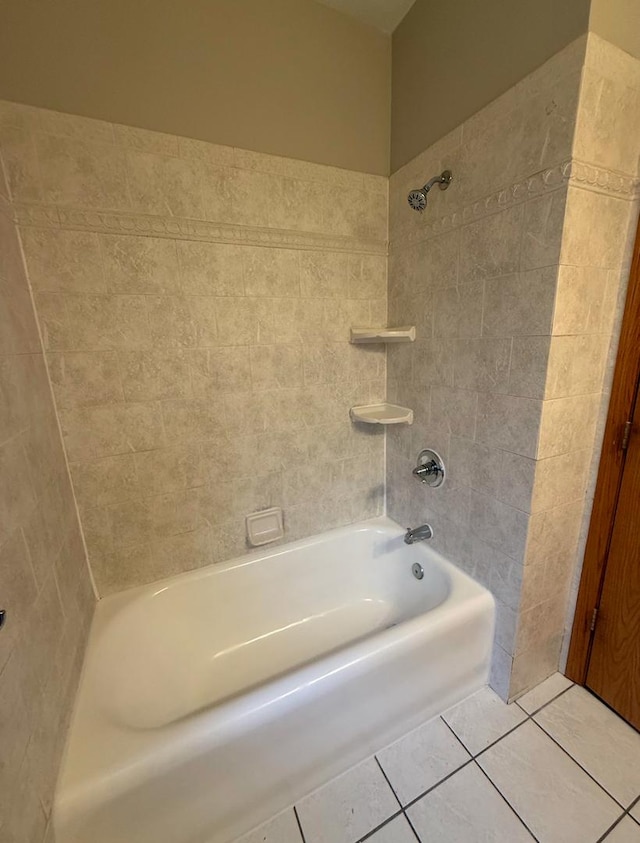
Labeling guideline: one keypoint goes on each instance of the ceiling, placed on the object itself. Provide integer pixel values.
(383, 14)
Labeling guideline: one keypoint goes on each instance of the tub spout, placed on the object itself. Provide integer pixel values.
(418, 534)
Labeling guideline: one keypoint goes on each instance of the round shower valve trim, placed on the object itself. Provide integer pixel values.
(429, 468)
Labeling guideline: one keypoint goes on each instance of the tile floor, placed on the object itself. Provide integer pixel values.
(556, 767)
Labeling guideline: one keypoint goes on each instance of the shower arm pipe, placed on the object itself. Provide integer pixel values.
(443, 179)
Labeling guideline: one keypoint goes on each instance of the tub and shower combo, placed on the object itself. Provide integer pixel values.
(214, 699)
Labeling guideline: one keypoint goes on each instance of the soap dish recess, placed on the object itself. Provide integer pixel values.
(406, 333)
(382, 414)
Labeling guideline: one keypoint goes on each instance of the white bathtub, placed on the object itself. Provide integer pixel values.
(214, 699)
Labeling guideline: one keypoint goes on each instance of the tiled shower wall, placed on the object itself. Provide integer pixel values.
(44, 579)
(511, 277)
(195, 304)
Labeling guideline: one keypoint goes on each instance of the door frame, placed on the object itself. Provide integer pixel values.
(612, 460)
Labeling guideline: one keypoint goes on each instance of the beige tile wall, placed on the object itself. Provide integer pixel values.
(205, 373)
(511, 277)
(44, 581)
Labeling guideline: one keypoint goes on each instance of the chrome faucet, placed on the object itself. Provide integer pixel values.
(418, 534)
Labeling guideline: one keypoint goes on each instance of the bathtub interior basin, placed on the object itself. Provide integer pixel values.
(213, 699)
(250, 621)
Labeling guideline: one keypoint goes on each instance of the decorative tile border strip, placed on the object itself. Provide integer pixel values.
(569, 173)
(113, 222)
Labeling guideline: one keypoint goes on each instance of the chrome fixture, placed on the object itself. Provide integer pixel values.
(418, 534)
(429, 468)
(418, 197)
(417, 570)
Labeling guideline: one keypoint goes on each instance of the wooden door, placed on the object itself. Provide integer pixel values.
(614, 665)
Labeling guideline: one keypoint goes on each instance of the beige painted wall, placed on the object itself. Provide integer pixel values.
(287, 77)
(452, 57)
(619, 22)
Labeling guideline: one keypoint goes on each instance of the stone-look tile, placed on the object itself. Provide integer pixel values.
(106, 480)
(457, 311)
(93, 323)
(608, 122)
(144, 140)
(397, 831)
(64, 261)
(81, 379)
(483, 364)
(324, 274)
(544, 693)
(576, 365)
(596, 229)
(520, 304)
(271, 272)
(454, 411)
(560, 480)
(210, 269)
(554, 531)
(508, 422)
(538, 626)
(110, 429)
(580, 299)
(491, 246)
(162, 184)
(482, 719)
(348, 807)
(152, 375)
(498, 525)
(421, 759)
(139, 264)
(626, 831)
(528, 767)
(367, 276)
(82, 173)
(281, 829)
(171, 322)
(42, 561)
(144, 520)
(21, 163)
(635, 811)
(566, 422)
(528, 373)
(467, 807)
(603, 744)
(276, 366)
(543, 230)
(216, 371)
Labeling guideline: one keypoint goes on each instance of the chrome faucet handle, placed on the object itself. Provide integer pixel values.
(429, 468)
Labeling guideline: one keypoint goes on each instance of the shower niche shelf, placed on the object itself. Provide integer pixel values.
(406, 333)
(381, 414)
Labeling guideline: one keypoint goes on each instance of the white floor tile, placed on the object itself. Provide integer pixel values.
(553, 796)
(635, 811)
(482, 719)
(627, 831)
(348, 807)
(545, 691)
(281, 829)
(421, 759)
(397, 831)
(466, 808)
(598, 739)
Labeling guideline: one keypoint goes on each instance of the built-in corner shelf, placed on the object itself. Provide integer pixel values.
(362, 335)
(382, 414)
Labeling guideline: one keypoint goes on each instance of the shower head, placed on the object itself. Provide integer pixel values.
(418, 198)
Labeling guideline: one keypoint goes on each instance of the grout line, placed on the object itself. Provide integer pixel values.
(575, 761)
(381, 825)
(433, 787)
(610, 829)
(548, 702)
(411, 826)
(295, 811)
(511, 808)
(386, 778)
